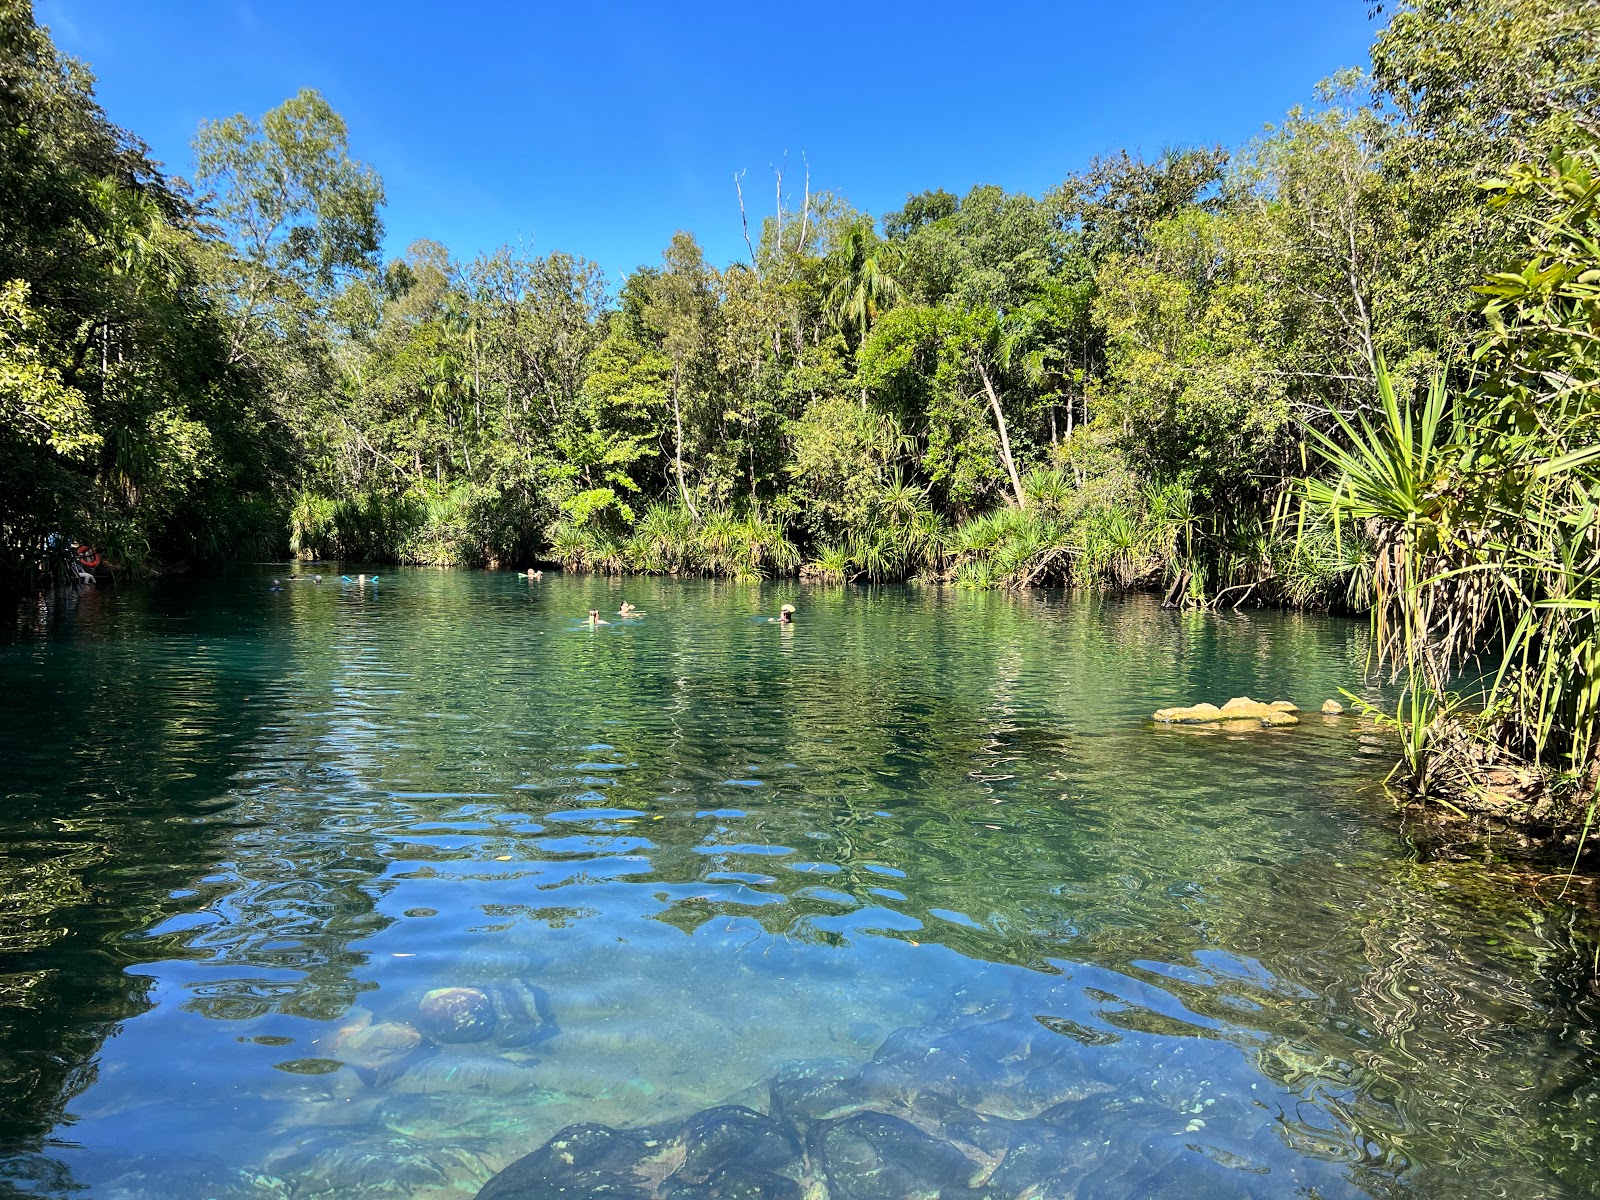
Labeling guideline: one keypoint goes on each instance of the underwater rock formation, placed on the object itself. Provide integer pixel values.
(1010, 1105)
(457, 1014)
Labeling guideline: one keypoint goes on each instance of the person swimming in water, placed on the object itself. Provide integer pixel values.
(785, 615)
(596, 619)
(277, 586)
(532, 574)
(628, 610)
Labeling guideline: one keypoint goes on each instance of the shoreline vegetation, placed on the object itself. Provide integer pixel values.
(1352, 365)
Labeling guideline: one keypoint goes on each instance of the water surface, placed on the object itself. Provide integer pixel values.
(925, 836)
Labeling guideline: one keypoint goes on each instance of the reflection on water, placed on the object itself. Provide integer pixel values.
(370, 892)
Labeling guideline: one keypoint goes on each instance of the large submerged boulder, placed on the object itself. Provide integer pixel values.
(457, 1014)
(732, 1135)
(378, 1052)
(872, 1156)
(584, 1161)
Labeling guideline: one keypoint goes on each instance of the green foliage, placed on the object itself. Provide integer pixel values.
(669, 540)
(298, 212)
(1484, 515)
(123, 424)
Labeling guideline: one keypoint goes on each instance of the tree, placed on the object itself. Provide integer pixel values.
(124, 426)
(861, 269)
(1491, 80)
(680, 310)
(1329, 239)
(1116, 203)
(1194, 376)
(298, 213)
(1468, 88)
(938, 370)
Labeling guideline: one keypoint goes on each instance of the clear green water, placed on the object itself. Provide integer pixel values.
(700, 849)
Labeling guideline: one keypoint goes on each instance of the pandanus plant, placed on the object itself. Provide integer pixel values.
(1487, 545)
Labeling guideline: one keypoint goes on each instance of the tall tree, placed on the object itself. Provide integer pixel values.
(298, 212)
(681, 311)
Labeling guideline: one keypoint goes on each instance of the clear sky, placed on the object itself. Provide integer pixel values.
(600, 127)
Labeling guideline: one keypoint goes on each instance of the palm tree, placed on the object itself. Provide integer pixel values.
(864, 285)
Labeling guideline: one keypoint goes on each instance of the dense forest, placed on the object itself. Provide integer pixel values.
(1350, 364)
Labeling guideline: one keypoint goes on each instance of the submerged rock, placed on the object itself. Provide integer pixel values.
(588, 1161)
(454, 1116)
(522, 1014)
(508, 1012)
(480, 1074)
(457, 1014)
(1044, 1162)
(817, 1090)
(377, 1052)
(871, 1156)
(734, 1183)
(1015, 1107)
(335, 1163)
(732, 1135)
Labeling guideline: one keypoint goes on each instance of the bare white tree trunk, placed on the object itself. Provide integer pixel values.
(677, 449)
(1005, 435)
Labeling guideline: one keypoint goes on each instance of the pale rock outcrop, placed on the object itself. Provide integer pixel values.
(1240, 709)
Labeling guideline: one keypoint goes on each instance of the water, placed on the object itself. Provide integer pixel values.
(928, 836)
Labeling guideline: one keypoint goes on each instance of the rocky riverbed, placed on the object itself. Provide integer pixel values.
(1006, 1104)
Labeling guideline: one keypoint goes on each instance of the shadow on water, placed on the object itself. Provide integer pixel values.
(370, 891)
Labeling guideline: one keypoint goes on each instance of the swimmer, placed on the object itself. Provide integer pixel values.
(316, 579)
(277, 586)
(595, 618)
(786, 615)
(532, 574)
(628, 610)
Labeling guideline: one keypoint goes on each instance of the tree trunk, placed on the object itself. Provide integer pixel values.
(677, 449)
(1005, 436)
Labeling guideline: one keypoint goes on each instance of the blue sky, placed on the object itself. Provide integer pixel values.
(601, 127)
